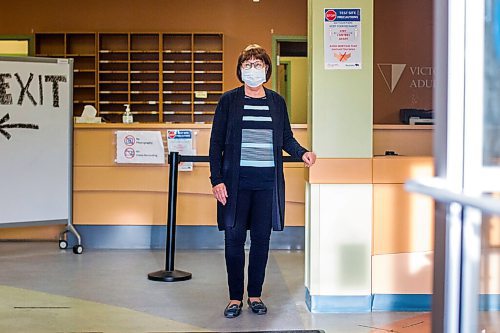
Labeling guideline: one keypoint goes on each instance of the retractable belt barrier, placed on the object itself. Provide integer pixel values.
(169, 274)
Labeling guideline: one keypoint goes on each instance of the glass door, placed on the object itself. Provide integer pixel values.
(467, 156)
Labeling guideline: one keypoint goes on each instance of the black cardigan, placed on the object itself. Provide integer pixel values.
(225, 152)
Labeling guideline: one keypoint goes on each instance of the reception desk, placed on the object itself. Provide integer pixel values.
(106, 193)
(403, 233)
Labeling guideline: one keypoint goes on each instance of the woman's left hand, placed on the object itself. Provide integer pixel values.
(309, 158)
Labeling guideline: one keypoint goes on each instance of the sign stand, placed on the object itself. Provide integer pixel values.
(36, 141)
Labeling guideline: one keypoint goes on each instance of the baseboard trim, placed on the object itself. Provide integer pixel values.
(187, 237)
(402, 302)
(367, 303)
(489, 302)
(338, 304)
(386, 302)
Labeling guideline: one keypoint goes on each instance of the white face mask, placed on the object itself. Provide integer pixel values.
(253, 77)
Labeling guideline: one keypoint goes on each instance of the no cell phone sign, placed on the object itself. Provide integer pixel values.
(330, 15)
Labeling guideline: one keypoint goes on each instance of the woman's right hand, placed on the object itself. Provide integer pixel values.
(220, 193)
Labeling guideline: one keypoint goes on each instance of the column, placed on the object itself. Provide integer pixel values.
(339, 191)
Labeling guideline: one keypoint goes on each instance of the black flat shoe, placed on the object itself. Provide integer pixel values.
(257, 307)
(233, 310)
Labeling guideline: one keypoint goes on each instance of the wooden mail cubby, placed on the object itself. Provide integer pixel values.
(164, 77)
(192, 76)
(114, 74)
(82, 48)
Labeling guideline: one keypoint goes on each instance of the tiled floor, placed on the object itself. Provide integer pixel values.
(44, 289)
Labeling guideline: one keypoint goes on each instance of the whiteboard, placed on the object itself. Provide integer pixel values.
(36, 138)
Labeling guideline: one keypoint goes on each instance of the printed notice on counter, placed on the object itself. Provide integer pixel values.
(181, 141)
(342, 38)
(140, 147)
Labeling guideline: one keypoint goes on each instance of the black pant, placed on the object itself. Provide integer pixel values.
(254, 212)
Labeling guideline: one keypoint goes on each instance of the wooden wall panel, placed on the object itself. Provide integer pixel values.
(94, 147)
(150, 208)
(145, 179)
(48, 232)
(404, 273)
(121, 178)
(294, 214)
(399, 169)
(295, 185)
(301, 135)
(491, 232)
(490, 271)
(241, 21)
(402, 222)
(341, 171)
(402, 36)
(196, 181)
(196, 209)
(119, 208)
(402, 139)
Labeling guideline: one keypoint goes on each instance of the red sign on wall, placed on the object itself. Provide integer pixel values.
(330, 15)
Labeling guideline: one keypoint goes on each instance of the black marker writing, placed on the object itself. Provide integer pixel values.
(24, 89)
(55, 79)
(5, 99)
(40, 88)
(3, 125)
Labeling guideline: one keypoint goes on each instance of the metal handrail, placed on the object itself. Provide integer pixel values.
(458, 253)
(438, 189)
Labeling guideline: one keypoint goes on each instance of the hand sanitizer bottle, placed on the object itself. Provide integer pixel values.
(127, 117)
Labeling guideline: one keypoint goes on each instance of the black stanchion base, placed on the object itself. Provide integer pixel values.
(169, 276)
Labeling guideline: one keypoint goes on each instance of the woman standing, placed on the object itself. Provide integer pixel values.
(249, 132)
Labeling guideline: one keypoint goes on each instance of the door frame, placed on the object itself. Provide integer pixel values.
(288, 98)
(274, 49)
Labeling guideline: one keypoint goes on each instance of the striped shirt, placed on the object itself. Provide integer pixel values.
(257, 157)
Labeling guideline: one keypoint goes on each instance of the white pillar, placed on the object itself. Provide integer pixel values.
(339, 189)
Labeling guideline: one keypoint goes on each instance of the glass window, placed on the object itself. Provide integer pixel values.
(491, 119)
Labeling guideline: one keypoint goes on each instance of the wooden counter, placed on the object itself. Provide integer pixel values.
(403, 222)
(407, 140)
(106, 193)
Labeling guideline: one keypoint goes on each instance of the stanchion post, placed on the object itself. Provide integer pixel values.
(172, 210)
(170, 274)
